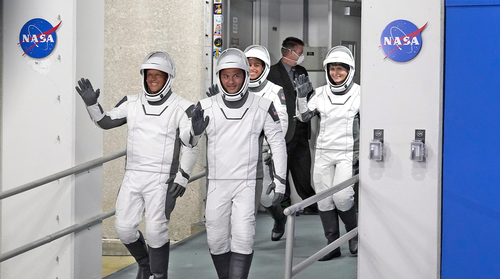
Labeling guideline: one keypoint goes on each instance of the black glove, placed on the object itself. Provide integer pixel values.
(87, 93)
(268, 158)
(302, 86)
(278, 197)
(213, 90)
(176, 190)
(198, 123)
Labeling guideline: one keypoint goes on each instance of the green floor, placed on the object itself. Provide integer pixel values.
(190, 259)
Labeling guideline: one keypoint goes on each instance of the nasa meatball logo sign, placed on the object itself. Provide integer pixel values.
(401, 40)
(38, 38)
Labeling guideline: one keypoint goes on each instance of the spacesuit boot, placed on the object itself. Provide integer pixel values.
(279, 221)
(158, 258)
(221, 263)
(349, 219)
(239, 266)
(139, 251)
(330, 222)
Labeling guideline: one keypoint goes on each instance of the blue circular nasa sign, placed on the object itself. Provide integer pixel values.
(401, 40)
(38, 38)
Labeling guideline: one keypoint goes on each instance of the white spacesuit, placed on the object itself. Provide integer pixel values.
(157, 125)
(234, 123)
(337, 105)
(266, 89)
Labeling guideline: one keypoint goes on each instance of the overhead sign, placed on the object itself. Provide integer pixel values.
(38, 38)
(401, 40)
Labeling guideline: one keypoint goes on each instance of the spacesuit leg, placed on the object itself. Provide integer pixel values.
(221, 263)
(157, 209)
(344, 200)
(217, 215)
(239, 266)
(159, 261)
(330, 222)
(323, 177)
(129, 209)
(350, 221)
(276, 212)
(138, 250)
(242, 217)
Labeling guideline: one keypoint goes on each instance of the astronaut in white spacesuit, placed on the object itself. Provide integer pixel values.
(337, 104)
(158, 123)
(260, 64)
(234, 122)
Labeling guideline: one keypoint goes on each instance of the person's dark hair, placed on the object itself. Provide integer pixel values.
(345, 66)
(290, 43)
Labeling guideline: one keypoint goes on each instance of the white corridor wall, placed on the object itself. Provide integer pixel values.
(46, 129)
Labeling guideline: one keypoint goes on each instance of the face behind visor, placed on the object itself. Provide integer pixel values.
(339, 54)
(161, 61)
(259, 52)
(233, 58)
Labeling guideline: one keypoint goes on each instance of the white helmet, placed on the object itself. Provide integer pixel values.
(339, 54)
(161, 61)
(228, 59)
(260, 52)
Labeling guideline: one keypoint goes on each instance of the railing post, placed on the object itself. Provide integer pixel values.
(290, 238)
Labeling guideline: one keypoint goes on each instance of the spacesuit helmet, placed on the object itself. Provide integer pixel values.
(229, 59)
(161, 61)
(259, 52)
(340, 54)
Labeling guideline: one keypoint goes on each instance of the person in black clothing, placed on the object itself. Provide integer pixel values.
(297, 137)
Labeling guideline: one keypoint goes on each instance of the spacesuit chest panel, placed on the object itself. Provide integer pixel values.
(337, 114)
(235, 133)
(153, 139)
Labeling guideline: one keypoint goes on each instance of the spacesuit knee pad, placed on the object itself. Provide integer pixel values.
(218, 245)
(126, 234)
(344, 199)
(242, 238)
(156, 234)
(326, 204)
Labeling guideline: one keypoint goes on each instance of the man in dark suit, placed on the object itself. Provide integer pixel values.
(297, 138)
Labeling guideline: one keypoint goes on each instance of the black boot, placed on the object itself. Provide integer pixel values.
(279, 221)
(350, 221)
(221, 263)
(239, 266)
(139, 251)
(330, 222)
(158, 260)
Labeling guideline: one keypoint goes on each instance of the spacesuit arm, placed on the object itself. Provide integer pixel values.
(280, 105)
(198, 125)
(189, 156)
(276, 140)
(110, 119)
(185, 126)
(303, 109)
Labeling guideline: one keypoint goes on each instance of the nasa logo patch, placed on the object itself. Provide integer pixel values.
(38, 38)
(401, 40)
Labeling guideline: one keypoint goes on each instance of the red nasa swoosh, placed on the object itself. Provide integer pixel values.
(411, 36)
(44, 33)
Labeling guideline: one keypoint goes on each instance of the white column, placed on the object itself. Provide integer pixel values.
(400, 199)
(45, 129)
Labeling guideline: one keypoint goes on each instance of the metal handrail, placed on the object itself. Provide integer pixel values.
(290, 211)
(74, 170)
(71, 229)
